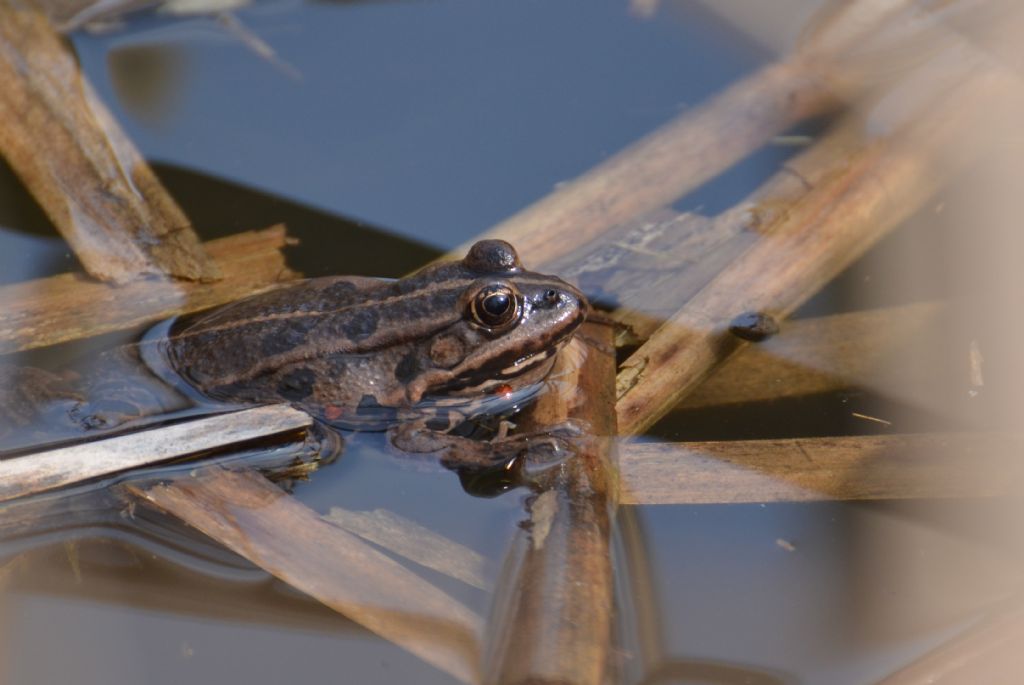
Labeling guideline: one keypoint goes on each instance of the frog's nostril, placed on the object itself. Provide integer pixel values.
(551, 297)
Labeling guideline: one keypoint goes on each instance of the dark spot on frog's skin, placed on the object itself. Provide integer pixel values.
(361, 324)
(287, 336)
(336, 366)
(446, 351)
(205, 340)
(407, 368)
(297, 384)
(340, 290)
(754, 326)
(492, 256)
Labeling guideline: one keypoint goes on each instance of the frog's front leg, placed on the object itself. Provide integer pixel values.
(462, 454)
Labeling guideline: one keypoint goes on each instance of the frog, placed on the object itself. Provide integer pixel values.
(417, 357)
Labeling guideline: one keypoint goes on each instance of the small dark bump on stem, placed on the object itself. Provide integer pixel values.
(754, 326)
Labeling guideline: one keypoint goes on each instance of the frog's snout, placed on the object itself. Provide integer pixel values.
(562, 296)
(577, 301)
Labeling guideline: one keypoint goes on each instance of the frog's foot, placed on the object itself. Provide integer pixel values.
(94, 416)
(114, 405)
(453, 451)
(510, 453)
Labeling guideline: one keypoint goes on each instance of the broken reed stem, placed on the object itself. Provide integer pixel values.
(890, 350)
(80, 166)
(832, 225)
(552, 615)
(648, 266)
(66, 307)
(667, 163)
(254, 518)
(31, 474)
(815, 469)
(864, 196)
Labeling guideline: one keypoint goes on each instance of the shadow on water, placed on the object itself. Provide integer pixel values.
(327, 244)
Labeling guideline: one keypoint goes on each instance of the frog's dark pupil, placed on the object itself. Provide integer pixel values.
(497, 304)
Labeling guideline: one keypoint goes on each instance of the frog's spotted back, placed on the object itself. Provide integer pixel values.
(332, 345)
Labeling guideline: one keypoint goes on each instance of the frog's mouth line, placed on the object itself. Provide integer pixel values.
(493, 379)
(519, 367)
(526, 363)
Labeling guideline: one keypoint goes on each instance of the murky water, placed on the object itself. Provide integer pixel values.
(385, 133)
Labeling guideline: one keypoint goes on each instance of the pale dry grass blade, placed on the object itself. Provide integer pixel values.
(36, 472)
(409, 539)
(80, 166)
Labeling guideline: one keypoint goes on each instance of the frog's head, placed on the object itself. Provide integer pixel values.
(510, 324)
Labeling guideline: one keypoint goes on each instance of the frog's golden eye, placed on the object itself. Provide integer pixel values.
(495, 306)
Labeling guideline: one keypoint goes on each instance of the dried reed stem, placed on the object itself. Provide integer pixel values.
(409, 539)
(811, 469)
(891, 351)
(80, 166)
(251, 516)
(865, 196)
(67, 307)
(41, 471)
(667, 163)
(553, 606)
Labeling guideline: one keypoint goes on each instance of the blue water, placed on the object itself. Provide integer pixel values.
(433, 120)
(385, 133)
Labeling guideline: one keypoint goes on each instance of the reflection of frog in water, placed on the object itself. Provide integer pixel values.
(450, 342)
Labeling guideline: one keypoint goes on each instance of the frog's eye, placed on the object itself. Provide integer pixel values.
(495, 306)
